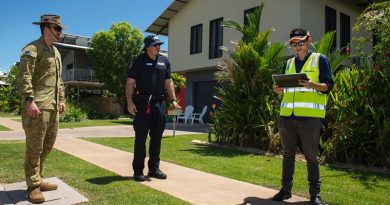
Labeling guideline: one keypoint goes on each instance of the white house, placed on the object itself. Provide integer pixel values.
(194, 32)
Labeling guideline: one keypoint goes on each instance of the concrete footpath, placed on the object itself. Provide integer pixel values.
(187, 184)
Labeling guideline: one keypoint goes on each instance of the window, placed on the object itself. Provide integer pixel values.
(345, 30)
(330, 23)
(247, 12)
(216, 38)
(196, 39)
(69, 66)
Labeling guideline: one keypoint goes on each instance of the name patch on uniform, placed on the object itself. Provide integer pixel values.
(149, 64)
(160, 63)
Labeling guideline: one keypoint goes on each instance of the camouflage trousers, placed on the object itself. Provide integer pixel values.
(41, 134)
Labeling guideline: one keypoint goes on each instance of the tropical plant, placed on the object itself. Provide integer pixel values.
(178, 80)
(361, 121)
(375, 20)
(336, 56)
(112, 52)
(248, 110)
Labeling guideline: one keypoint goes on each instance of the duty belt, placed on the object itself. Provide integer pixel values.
(150, 97)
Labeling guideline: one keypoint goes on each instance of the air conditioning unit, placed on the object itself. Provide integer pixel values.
(360, 61)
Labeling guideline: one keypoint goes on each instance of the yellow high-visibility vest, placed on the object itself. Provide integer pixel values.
(301, 101)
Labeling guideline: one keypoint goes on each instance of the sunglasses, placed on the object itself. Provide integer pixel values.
(299, 43)
(56, 28)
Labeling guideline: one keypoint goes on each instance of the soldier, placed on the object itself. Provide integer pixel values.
(150, 73)
(42, 98)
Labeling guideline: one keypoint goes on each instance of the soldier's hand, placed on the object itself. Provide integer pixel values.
(32, 109)
(132, 108)
(62, 107)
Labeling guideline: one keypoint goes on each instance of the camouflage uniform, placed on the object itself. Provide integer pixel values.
(40, 78)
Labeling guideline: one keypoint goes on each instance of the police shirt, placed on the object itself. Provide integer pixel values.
(150, 74)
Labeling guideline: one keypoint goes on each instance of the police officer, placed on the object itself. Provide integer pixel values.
(42, 98)
(148, 78)
(301, 113)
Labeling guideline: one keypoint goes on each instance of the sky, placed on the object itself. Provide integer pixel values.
(82, 17)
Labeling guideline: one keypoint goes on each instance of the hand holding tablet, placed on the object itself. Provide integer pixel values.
(289, 80)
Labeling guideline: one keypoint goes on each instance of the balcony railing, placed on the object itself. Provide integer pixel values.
(76, 74)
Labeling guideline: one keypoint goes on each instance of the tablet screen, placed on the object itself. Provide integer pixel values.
(289, 80)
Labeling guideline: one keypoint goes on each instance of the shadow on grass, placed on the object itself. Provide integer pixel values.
(259, 201)
(207, 150)
(107, 179)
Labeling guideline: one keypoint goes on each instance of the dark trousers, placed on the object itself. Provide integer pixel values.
(152, 123)
(307, 131)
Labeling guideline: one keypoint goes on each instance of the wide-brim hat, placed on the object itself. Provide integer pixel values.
(151, 40)
(50, 19)
(299, 34)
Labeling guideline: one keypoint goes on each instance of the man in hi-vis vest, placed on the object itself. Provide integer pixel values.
(301, 113)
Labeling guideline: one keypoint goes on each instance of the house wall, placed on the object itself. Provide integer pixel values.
(203, 11)
(68, 59)
(313, 15)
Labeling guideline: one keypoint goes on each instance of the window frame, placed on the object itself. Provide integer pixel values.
(215, 38)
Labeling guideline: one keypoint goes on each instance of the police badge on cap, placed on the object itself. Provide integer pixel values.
(151, 40)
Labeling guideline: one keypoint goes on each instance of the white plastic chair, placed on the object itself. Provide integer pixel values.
(186, 115)
(199, 116)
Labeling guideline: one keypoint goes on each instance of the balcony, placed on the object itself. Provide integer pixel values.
(81, 78)
(77, 74)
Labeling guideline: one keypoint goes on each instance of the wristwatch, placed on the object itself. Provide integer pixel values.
(29, 99)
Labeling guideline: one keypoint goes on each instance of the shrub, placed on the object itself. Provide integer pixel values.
(73, 114)
(360, 121)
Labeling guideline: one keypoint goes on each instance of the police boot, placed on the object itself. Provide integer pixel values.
(35, 195)
(46, 186)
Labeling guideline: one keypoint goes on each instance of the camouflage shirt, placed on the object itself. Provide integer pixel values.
(40, 75)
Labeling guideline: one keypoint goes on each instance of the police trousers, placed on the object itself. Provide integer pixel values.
(307, 131)
(41, 134)
(150, 119)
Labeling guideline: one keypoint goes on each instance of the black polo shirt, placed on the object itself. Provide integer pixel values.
(150, 74)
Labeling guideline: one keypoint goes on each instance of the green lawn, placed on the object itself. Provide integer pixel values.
(89, 123)
(339, 186)
(98, 185)
(6, 114)
(2, 128)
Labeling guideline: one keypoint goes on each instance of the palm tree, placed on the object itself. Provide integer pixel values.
(248, 112)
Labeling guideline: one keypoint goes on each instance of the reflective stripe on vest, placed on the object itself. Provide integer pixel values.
(304, 102)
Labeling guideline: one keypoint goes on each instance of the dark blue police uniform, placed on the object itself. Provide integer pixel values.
(149, 76)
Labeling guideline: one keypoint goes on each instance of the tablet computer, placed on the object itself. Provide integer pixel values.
(289, 80)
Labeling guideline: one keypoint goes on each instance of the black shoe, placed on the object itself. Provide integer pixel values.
(139, 177)
(316, 200)
(282, 195)
(157, 174)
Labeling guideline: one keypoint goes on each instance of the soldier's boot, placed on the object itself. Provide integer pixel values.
(46, 186)
(35, 195)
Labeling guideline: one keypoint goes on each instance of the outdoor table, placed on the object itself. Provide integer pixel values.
(174, 113)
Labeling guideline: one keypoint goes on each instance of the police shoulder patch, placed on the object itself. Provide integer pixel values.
(30, 50)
